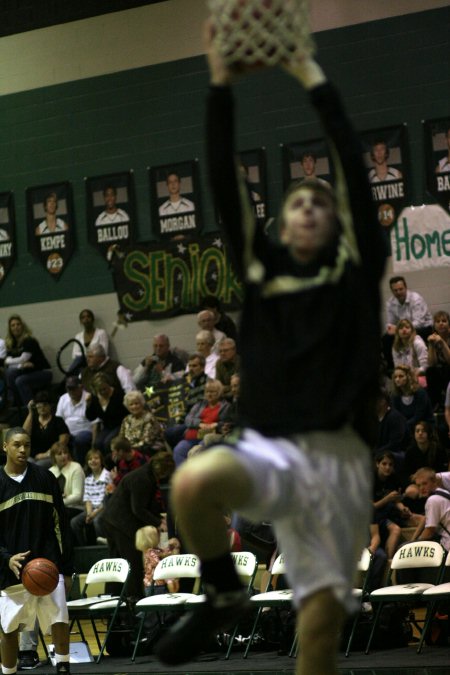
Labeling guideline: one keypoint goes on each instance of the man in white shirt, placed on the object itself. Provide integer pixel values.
(437, 506)
(207, 321)
(72, 408)
(98, 362)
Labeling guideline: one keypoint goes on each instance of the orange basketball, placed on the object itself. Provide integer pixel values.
(40, 576)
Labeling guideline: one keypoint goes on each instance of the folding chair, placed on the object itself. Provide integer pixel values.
(272, 599)
(413, 556)
(360, 593)
(431, 597)
(100, 606)
(186, 566)
(246, 565)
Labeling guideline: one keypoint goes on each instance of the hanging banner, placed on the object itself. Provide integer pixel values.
(420, 239)
(386, 158)
(51, 236)
(252, 164)
(154, 282)
(437, 154)
(175, 200)
(111, 212)
(7, 234)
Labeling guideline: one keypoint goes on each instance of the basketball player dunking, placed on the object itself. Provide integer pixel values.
(302, 460)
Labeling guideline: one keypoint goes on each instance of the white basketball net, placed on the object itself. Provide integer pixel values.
(261, 31)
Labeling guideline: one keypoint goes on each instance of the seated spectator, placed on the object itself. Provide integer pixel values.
(393, 434)
(194, 380)
(376, 573)
(206, 321)
(148, 541)
(72, 409)
(47, 431)
(125, 458)
(27, 369)
(140, 427)
(98, 363)
(424, 450)
(70, 476)
(106, 408)
(409, 399)
(447, 408)
(3, 387)
(160, 366)
(233, 535)
(409, 349)
(87, 525)
(437, 508)
(88, 337)
(225, 427)
(390, 513)
(202, 419)
(438, 372)
(222, 321)
(227, 365)
(204, 341)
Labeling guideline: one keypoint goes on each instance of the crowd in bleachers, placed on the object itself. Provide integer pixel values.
(105, 422)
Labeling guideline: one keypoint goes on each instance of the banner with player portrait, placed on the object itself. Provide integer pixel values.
(175, 200)
(253, 167)
(7, 234)
(437, 158)
(155, 281)
(306, 160)
(111, 211)
(50, 223)
(386, 158)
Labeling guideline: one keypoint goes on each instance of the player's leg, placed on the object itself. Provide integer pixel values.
(9, 650)
(60, 637)
(319, 625)
(202, 489)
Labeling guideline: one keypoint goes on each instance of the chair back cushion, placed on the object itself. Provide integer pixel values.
(184, 566)
(418, 554)
(245, 563)
(108, 569)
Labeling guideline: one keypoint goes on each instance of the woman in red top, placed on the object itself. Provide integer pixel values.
(202, 419)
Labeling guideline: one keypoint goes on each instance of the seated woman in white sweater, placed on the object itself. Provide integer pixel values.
(70, 476)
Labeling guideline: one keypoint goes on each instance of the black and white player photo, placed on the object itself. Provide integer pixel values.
(385, 154)
(306, 161)
(437, 159)
(111, 211)
(50, 217)
(175, 198)
(7, 233)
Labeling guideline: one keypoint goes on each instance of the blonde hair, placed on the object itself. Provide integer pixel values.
(398, 342)
(146, 537)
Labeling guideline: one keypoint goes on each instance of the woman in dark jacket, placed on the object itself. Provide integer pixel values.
(27, 369)
(135, 503)
(106, 406)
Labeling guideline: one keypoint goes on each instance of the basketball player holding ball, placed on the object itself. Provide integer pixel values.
(308, 413)
(32, 525)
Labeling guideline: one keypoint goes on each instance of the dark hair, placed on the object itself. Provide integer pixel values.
(87, 311)
(387, 454)
(395, 280)
(163, 465)
(308, 153)
(120, 443)
(110, 187)
(50, 195)
(210, 301)
(42, 397)
(12, 431)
